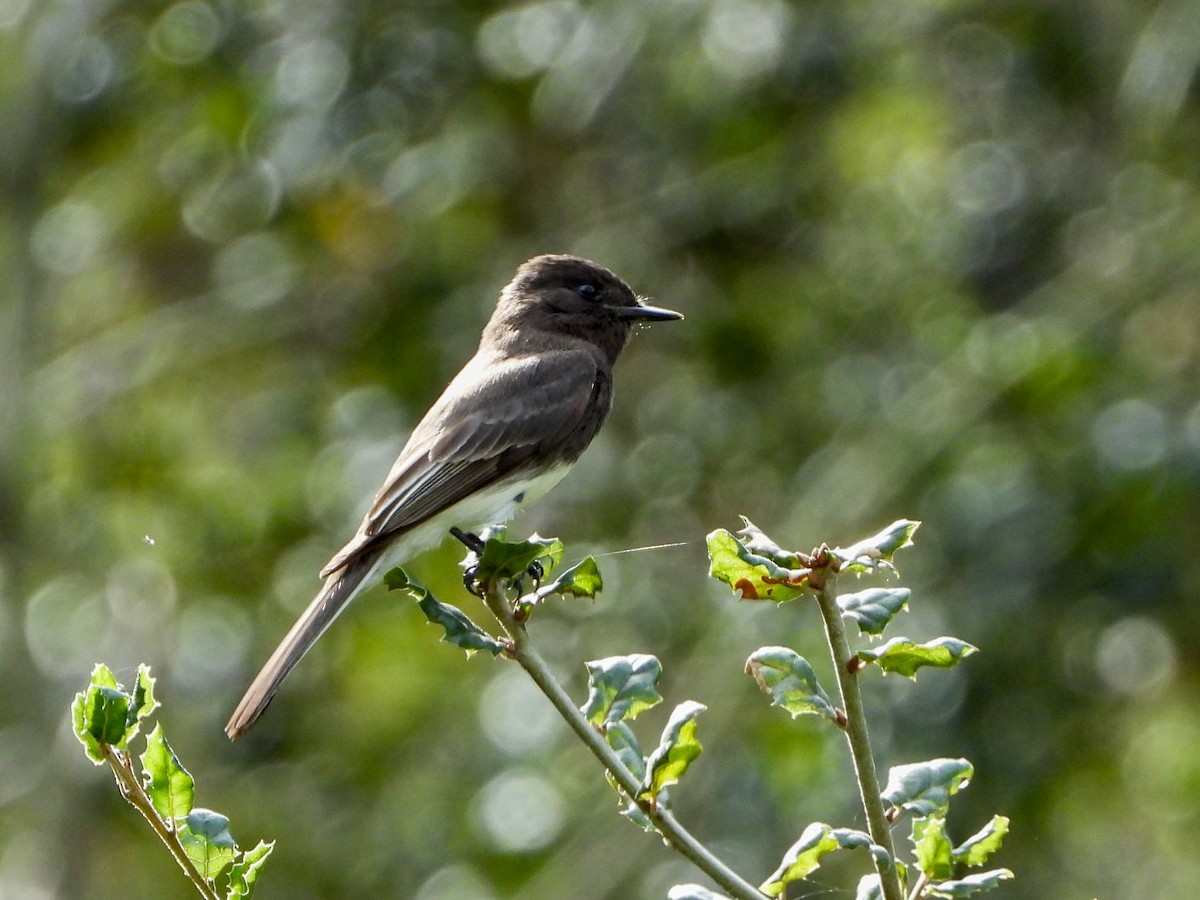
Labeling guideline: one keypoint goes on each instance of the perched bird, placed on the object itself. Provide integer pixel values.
(503, 432)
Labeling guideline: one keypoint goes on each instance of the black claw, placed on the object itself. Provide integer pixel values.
(471, 541)
(474, 543)
(470, 583)
(535, 573)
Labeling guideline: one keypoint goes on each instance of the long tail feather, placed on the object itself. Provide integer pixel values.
(339, 590)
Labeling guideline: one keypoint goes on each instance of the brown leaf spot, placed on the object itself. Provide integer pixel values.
(746, 588)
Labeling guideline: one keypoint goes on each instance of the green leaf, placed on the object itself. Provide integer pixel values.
(205, 837)
(752, 577)
(459, 628)
(581, 580)
(876, 552)
(976, 849)
(102, 676)
(804, 857)
(676, 751)
(932, 847)
(79, 724)
(143, 702)
(972, 884)
(873, 608)
(635, 814)
(167, 783)
(506, 560)
(904, 657)
(790, 681)
(100, 715)
(105, 715)
(852, 839)
(754, 540)
(693, 892)
(246, 869)
(108, 715)
(925, 788)
(625, 743)
(869, 888)
(621, 687)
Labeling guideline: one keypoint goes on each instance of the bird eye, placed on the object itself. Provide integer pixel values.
(588, 291)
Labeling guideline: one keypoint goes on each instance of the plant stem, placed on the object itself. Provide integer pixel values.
(856, 735)
(523, 651)
(131, 790)
(919, 887)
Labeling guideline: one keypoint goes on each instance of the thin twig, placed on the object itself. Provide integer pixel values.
(919, 887)
(523, 651)
(856, 734)
(131, 789)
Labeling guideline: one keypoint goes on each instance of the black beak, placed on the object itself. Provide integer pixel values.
(644, 313)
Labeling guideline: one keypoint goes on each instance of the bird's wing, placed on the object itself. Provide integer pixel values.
(493, 419)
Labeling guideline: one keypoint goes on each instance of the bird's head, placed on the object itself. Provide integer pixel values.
(574, 297)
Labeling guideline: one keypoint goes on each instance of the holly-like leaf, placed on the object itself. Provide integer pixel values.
(621, 687)
(102, 676)
(142, 701)
(108, 714)
(754, 540)
(635, 814)
(790, 681)
(676, 751)
(246, 869)
(580, 580)
(801, 859)
(459, 628)
(80, 724)
(100, 715)
(969, 886)
(99, 720)
(804, 857)
(932, 847)
(852, 839)
(105, 716)
(905, 657)
(205, 837)
(752, 577)
(978, 848)
(925, 788)
(625, 743)
(693, 892)
(873, 608)
(507, 560)
(876, 552)
(167, 783)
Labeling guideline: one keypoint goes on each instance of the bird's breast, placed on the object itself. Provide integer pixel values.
(500, 502)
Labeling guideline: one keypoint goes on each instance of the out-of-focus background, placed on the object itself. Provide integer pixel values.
(939, 260)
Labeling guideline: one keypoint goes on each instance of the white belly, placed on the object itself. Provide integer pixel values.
(494, 505)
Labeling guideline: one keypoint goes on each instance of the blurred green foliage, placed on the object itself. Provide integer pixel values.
(939, 260)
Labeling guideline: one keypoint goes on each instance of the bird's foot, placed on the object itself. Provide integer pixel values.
(535, 573)
(474, 543)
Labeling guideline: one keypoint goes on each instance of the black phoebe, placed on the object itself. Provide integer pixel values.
(504, 431)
